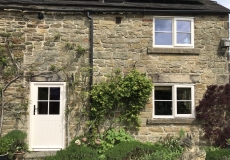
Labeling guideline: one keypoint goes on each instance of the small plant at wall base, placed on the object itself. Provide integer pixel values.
(119, 100)
(112, 137)
(214, 111)
(18, 145)
(5, 144)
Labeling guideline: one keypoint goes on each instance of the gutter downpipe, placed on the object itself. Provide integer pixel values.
(229, 47)
(90, 57)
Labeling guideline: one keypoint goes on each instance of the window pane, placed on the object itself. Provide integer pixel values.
(184, 107)
(183, 38)
(163, 108)
(163, 92)
(42, 93)
(163, 38)
(54, 108)
(163, 25)
(55, 93)
(42, 108)
(183, 93)
(183, 26)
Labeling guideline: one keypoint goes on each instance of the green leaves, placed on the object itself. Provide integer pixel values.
(5, 144)
(3, 60)
(126, 95)
(73, 152)
(69, 46)
(112, 137)
(81, 51)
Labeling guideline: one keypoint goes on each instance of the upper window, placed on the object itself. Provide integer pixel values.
(173, 32)
(171, 101)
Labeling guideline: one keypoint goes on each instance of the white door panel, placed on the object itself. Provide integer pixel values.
(47, 121)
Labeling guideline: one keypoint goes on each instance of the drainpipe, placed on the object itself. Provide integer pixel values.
(90, 56)
(229, 47)
(229, 26)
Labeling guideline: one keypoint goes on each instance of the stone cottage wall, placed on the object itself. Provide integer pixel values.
(45, 45)
(130, 43)
(124, 46)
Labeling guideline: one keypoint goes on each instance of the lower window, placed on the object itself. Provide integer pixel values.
(171, 101)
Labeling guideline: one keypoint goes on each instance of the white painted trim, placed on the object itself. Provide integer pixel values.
(192, 115)
(33, 90)
(192, 32)
(174, 105)
(172, 17)
(174, 45)
(171, 84)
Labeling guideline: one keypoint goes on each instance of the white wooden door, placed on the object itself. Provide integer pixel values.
(47, 118)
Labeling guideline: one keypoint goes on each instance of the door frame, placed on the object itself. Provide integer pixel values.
(31, 110)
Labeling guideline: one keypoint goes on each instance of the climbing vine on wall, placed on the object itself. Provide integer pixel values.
(120, 100)
(15, 74)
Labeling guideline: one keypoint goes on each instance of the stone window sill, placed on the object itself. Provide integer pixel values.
(194, 51)
(172, 121)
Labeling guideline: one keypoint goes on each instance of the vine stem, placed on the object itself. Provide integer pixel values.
(11, 56)
(2, 111)
(18, 75)
(2, 101)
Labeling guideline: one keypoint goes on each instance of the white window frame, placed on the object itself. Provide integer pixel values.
(174, 101)
(174, 32)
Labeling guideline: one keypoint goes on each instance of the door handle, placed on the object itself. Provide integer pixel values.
(34, 109)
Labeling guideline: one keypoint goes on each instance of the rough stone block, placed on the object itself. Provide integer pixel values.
(186, 128)
(172, 129)
(102, 55)
(195, 78)
(222, 79)
(29, 30)
(144, 131)
(156, 129)
(56, 25)
(107, 22)
(200, 86)
(146, 115)
(223, 33)
(142, 138)
(208, 78)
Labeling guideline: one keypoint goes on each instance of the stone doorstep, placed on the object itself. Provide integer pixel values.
(38, 155)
